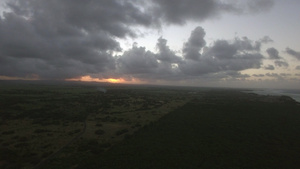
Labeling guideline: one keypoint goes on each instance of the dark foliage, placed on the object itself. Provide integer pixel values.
(220, 130)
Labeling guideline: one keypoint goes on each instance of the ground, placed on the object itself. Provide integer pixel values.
(118, 126)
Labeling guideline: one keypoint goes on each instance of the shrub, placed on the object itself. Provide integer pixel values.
(8, 132)
(120, 132)
(99, 132)
(99, 125)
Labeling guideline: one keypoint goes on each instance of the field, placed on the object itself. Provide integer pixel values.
(40, 122)
(118, 126)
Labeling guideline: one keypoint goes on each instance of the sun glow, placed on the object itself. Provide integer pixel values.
(114, 80)
(109, 80)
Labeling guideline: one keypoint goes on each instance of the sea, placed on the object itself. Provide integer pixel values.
(295, 94)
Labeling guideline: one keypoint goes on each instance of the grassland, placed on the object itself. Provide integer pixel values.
(80, 126)
(60, 123)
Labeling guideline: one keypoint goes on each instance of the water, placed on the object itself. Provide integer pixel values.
(295, 94)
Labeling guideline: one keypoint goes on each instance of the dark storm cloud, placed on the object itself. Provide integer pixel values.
(178, 11)
(269, 67)
(273, 53)
(113, 16)
(181, 11)
(280, 63)
(293, 53)
(64, 39)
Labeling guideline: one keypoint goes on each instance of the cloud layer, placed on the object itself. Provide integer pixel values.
(68, 39)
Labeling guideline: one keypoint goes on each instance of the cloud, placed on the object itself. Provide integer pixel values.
(225, 75)
(181, 11)
(225, 49)
(233, 75)
(285, 74)
(112, 16)
(293, 53)
(68, 39)
(246, 44)
(280, 76)
(221, 56)
(275, 75)
(259, 5)
(273, 53)
(258, 75)
(220, 60)
(137, 61)
(65, 38)
(269, 67)
(165, 53)
(266, 39)
(281, 64)
(196, 42)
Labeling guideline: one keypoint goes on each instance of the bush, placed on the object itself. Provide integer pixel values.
(99, 125)
(120, 132)
(99, 132)
(41, 131)
(8, 132)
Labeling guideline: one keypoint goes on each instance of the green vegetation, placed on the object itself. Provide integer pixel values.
(55, 126)
(222, 129)
(78, 126)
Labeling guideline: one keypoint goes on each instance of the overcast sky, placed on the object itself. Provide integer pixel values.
(221, 43)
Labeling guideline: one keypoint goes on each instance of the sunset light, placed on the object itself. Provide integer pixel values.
(109, 80)
(91, 79)
(115, 80)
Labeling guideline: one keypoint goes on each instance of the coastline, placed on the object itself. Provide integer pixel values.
(294, 94)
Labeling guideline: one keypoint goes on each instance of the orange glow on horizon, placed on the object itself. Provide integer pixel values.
(109, 80)
(115, 80)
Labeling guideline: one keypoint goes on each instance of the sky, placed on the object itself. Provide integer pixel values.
(205, 43)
